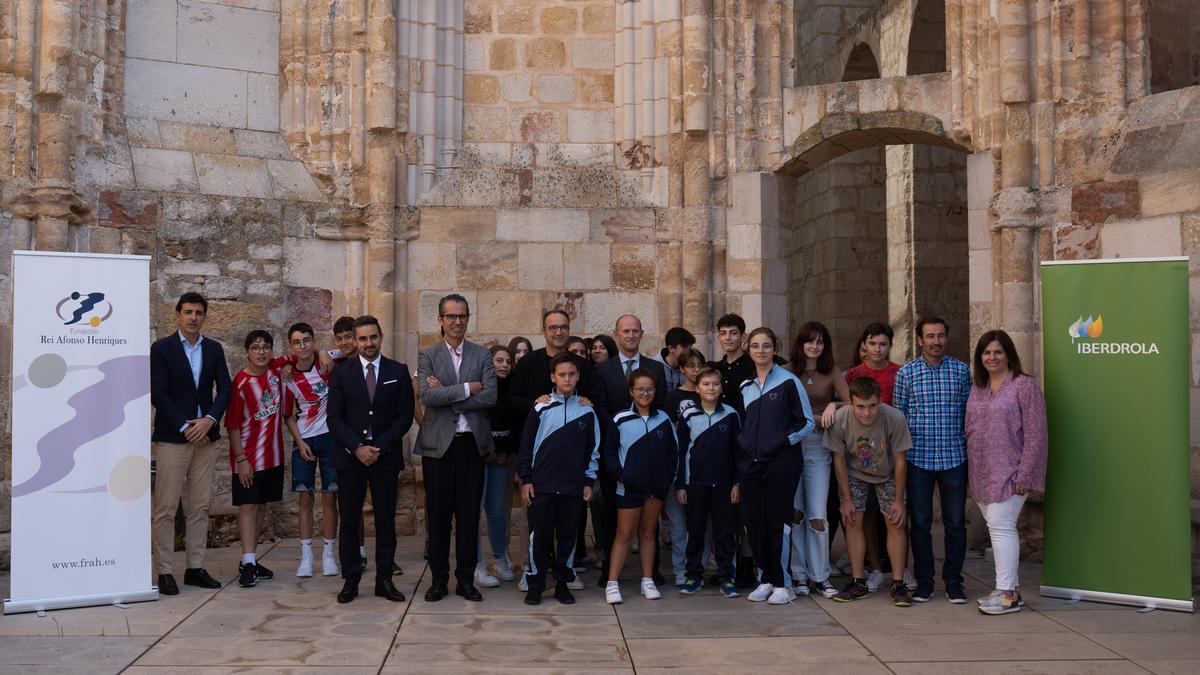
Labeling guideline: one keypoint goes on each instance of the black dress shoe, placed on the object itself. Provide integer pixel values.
(563, 594)
(349, 591)
(469, 592)
(167, 585)
(436, 592)
(533, 596)
(198, 576)
(385, 589)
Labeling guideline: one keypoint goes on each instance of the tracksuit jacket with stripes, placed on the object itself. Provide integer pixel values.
(708, 447)
(560, 446)
(642, 453)
(778, 416)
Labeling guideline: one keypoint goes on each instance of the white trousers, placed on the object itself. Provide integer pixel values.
(1006, 545)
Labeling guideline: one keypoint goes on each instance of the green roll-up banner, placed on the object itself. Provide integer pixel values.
(1117, 359)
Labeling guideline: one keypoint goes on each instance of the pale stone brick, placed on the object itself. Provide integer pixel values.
(745, 241)
(196, 137)
(291, 180)
(431, 265)
(555, 88)
(517, 88)
(503, 54)
(316, 263)
(142, 133)
(223, 288)
(1144, 238)
(980, 276)
(536, 125)
(633, 266)
(173, 91)
(262, 105)
(598, 19)
(487, 265)
(481, 88)
(586, 266)
(542, 225)
(477, 17)
(515, 18)
(475, 52)
(167, 170)
(484, 123)
(191, 268)
(547, 53)
(559, 20)
(540, 267)
(443, 224)
(233, 176)
(508, 312)
(604, 308)
(266, 144)
(589, 126)
(1173, 192)
(592, 53)
(228, 37)
(265, 252)
(150, 29)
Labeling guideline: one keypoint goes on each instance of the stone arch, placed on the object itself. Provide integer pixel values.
(842, 132)
(1174, 39)
(861, 64)
(927, 38)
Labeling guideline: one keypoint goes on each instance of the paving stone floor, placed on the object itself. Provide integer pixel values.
(290, 625)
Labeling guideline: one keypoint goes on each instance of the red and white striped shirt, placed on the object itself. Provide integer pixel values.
(309, 390)
(256, 411)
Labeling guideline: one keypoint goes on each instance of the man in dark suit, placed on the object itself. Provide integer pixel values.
(612, 397)
(458, 385)
(370, 409)
(185, 369)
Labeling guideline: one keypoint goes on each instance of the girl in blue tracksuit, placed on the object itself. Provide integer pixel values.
(777, 417)
(640, 451)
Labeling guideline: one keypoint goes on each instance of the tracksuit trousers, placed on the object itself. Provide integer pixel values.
(768, 491)
(553, 519)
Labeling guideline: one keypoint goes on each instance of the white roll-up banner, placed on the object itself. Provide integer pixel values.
(80, 431)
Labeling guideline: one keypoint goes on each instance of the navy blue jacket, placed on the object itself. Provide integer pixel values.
(778, 416)
(354, 417)
(708, 447)
(174, 393)
(641, 454)
(560, 447)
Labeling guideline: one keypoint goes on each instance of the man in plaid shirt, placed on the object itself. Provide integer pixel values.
(931, 391)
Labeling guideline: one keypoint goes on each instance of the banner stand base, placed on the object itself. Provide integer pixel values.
(68, 602)
(1145, 602)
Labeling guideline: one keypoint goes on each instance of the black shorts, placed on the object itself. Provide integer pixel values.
(266, 487)
(636, 499)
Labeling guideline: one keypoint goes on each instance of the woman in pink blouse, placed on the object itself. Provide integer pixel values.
(1006, 455)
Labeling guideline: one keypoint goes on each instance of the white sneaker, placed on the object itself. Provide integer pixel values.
(576, 584)
(305, 568)
(781, 596)
(800, 588)
(910, 582)
(504, 570)
(650, 590)
(523, 584)
(992, 599)
(842, 566)
(482, 578)
(826, 589)
(875, 581)
(612, 593)
(680, 580)
(761, 593)
(329, 566)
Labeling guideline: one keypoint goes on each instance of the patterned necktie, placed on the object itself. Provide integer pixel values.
(371, 382)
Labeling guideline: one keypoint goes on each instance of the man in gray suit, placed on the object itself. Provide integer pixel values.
(458, 386)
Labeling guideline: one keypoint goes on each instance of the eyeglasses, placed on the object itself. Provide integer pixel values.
(260, 348)
(460, 318)
(643, 390)
(559, 329)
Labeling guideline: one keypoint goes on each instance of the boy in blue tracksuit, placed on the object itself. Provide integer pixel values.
(560, 450)
(706, 483)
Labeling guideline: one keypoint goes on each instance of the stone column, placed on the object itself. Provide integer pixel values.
(756, 275)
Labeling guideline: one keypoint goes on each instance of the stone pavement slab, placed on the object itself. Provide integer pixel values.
(295, 650)
(98, 654)
(1016, 667)
(777, 654)
(983, 647)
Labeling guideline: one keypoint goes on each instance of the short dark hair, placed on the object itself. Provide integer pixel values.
(258, 334)
(301, 327)
(876, 328)
(367, 320)
(679, 336)
(807, 333)
(978, 372)
(191, 298)
(554, 310)
(640, 372)
(452, 297)
(928, 320)
(561, 358)
(863, 388)
(691, 354)
(732, 320)
(575, 338)
(709, 371)
(343, 324)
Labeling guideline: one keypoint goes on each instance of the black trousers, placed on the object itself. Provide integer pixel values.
(553, 519)
(705, 503)
(608, 517)
(353, 483)
(768, 493)
(453, 491)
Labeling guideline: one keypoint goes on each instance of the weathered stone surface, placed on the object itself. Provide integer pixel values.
(311, 305)
(487, 265)
(165, 170)
(233, 176)
(559, 20)
(545, 53)
(540, 267)
(128, 209)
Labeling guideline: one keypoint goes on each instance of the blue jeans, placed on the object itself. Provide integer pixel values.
(677, 521)
(496, 479)
(952, 488)
(810, 548)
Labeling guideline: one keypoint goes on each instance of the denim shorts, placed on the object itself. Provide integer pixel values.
(304, 472)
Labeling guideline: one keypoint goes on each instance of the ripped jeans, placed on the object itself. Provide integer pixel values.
(810, 546)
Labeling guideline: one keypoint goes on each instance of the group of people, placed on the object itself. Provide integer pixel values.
(753, 458)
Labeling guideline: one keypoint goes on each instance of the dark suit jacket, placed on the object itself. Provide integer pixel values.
(174, 393)
(353, 417)
(612, 388)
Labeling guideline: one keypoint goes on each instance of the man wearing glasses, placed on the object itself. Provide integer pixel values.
(458, 386)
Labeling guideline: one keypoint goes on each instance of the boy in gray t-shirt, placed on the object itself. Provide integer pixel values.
(868, 440)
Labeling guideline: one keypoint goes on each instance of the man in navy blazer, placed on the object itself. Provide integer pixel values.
(370, 410)
(185, 369)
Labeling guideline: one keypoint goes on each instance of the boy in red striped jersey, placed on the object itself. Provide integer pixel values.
(255, 423)
(313, 449)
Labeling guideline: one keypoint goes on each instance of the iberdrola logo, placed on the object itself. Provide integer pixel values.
(1087, 329)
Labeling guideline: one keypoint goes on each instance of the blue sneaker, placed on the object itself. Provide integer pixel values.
(729, 590)
(690, 586)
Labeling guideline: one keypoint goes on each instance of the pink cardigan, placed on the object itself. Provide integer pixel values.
(1006, 439)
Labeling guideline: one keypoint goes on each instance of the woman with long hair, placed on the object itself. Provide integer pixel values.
(1006, 455)
(812, 362)
(518, 347)
(499, 467)
(603, 348)
(778, 417)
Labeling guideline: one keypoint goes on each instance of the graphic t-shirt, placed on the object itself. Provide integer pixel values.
(678, 401)
(886, 377)
(255, 412)
(310, 391)
(869, 449)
